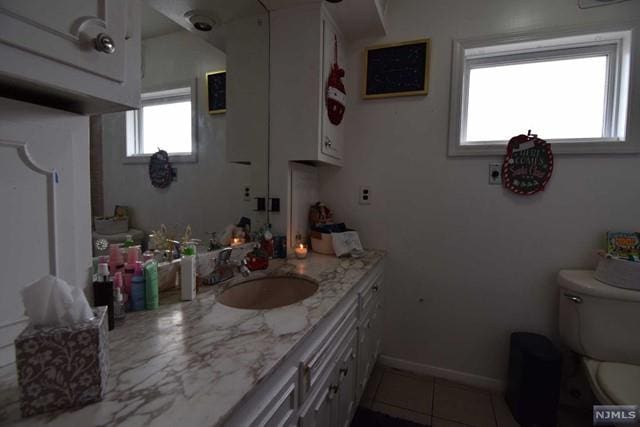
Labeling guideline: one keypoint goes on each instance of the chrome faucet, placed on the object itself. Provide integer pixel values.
(243, 268)
(224, 269)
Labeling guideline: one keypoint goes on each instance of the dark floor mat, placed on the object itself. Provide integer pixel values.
(367, 418)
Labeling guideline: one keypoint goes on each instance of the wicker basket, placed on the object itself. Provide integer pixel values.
(619, 273)
(113, 225)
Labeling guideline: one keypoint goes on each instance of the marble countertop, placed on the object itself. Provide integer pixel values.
(192, 363)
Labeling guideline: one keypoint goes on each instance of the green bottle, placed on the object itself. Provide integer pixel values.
(152, 299)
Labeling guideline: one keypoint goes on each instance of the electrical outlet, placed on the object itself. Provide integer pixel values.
(246, 193)
(365, 195)
(495, 174)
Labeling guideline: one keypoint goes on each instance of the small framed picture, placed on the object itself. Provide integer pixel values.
(397, 69)
(217, 91)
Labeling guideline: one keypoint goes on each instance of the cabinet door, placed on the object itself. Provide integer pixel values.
(364, 355)
(280, 406)
(320, 410)
(347, 383)
(332, 139)
(66, 32)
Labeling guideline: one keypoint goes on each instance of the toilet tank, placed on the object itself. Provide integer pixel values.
(597, 320)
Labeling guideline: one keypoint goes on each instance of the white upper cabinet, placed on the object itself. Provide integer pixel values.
(77, 55)
(304, 39)
(331, 143)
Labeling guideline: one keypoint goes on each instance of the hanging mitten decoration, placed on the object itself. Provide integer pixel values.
(160, 169)
(336, 94)
(528, 164)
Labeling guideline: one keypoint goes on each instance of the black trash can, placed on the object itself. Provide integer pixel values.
(533, 387)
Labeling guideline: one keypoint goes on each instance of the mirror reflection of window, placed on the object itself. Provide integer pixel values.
(162, 122)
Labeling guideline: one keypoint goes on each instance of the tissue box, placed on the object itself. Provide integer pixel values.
(63, 367)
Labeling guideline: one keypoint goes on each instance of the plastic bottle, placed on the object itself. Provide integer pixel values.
(119, 312)
(116, 261)
(103, 293)
(137, 289)
(188, 277)
(151, 296)
(127, 276)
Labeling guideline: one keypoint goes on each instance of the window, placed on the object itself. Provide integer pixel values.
(571, 90)
(164, 121)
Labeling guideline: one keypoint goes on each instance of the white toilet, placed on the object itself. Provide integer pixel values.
(602, 323)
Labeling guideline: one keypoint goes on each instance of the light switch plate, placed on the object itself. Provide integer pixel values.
(495, 174)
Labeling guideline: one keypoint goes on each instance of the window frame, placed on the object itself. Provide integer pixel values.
(159, 95)
(615, 42)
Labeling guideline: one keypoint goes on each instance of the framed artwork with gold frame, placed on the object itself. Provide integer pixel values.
(217, 91)
(396, 69)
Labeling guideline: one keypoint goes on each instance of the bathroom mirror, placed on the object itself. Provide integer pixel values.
(204, 100)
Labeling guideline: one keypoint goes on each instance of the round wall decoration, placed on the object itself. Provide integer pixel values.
(160, 169)
(336, 95)
(528, 164)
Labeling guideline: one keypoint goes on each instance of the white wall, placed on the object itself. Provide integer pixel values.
(56, 140)
(483, 260)
(208, 193)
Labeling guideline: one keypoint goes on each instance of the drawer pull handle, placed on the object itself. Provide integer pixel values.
(105, 44)
(353, 355)
(333, 391)
(375, 288)
(344, 372)
(574, 298)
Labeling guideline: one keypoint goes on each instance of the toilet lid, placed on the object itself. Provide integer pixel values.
(620, 382)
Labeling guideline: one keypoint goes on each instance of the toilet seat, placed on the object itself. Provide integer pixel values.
(614, 383)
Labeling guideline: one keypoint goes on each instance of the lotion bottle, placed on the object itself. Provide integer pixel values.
(188, 276)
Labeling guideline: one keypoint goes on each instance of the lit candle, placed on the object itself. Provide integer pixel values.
(236, 241)
(301, 251)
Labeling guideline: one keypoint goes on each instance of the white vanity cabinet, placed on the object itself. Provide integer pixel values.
(302, 52)
(78, 55)
(331, 367)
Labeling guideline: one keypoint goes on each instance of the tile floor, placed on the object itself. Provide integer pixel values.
(442, 403)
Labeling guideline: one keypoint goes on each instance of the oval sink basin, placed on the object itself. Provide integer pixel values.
(268, 292)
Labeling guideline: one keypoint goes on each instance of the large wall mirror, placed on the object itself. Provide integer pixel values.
(204, 100)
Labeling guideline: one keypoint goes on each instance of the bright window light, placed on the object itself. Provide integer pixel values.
(166, 126)
(164, 122)
(560, 99)
(572, 89)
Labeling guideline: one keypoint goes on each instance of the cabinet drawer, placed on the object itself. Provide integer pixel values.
(370, 295)
(315, 361)
(319, 410)
(280, 407)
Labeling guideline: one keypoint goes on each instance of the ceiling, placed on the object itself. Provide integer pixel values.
(155, 24)
(221, 11)
(355, 18)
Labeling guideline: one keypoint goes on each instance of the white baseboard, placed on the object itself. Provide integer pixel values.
(448, 374)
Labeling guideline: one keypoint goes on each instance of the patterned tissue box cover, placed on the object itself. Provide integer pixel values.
(63, 367)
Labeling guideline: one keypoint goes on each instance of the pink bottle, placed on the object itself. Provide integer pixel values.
(116, 261)
(133, 254)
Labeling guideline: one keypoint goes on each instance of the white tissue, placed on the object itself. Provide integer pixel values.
(51, 301)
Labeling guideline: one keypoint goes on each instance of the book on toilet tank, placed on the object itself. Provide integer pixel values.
(623, 244)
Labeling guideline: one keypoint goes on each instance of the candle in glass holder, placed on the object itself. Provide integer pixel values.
(301, 251)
